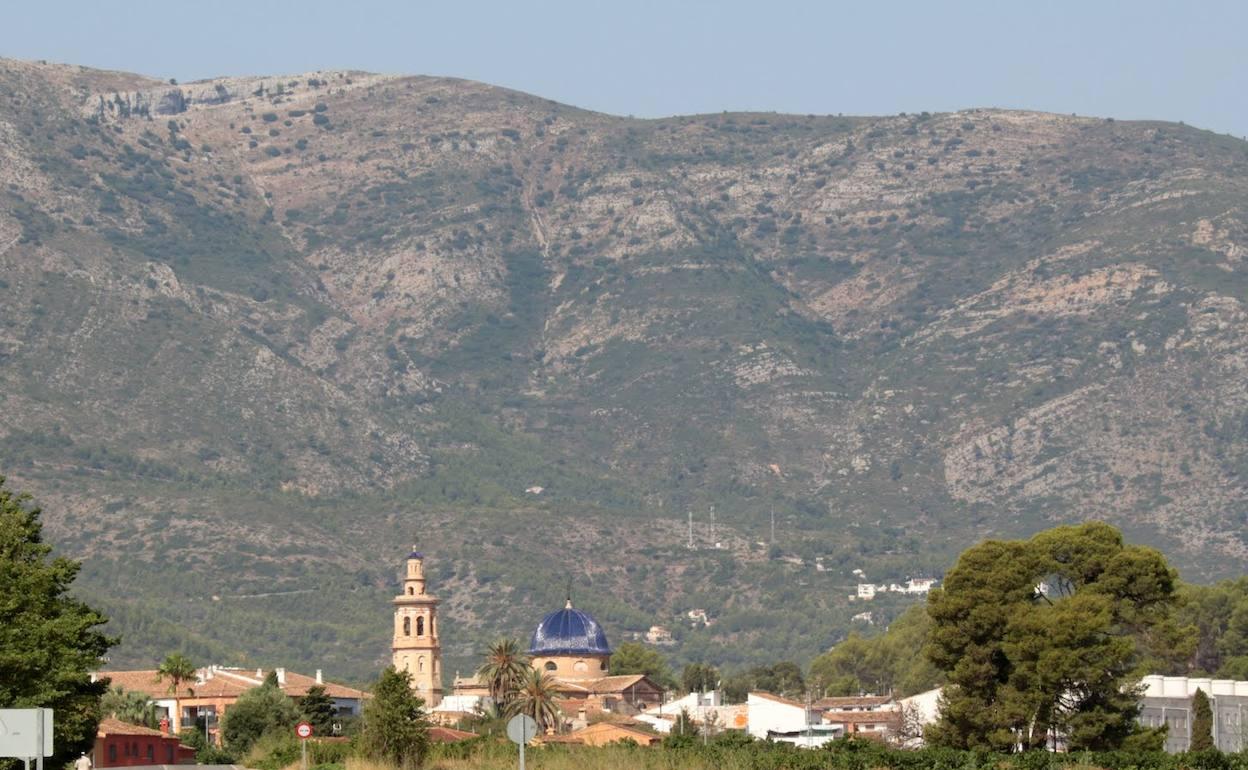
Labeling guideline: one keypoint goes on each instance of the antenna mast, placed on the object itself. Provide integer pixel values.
(690, 545)
(713, 543)
(773, 523)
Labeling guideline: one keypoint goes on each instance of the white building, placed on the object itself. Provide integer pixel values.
(774, 718)
(866, 591)
(660, 636)
(702, 708)
(1167, 701)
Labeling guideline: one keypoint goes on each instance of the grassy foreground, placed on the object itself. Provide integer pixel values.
(846, 755)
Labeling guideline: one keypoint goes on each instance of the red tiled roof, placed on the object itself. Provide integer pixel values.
(777, 698)
(113, 726)
(860, 717)
(145, 681)
(439, 734)
(619, 683)
(222, 683)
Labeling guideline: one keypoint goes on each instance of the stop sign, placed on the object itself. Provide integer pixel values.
(303, 730)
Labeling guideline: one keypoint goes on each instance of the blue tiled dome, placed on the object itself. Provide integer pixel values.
(569, 631)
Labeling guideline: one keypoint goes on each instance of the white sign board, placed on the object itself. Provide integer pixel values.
(25, 733)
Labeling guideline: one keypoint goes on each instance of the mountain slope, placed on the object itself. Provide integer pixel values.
(262, 331)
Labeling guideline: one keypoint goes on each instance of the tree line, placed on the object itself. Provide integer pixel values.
(1038, 643)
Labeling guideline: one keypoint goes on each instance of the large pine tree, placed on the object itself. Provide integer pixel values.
(49, 641)
(1044, 640)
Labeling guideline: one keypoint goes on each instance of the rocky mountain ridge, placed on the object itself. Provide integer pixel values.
(259, 330)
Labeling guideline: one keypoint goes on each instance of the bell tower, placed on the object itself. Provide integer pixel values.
(416, 648)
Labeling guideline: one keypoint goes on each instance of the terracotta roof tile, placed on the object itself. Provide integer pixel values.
(439, 734)
(222, 683)
(113, 726)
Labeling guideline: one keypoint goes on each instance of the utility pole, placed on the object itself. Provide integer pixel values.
(773, 524)
(690, 545)
(713, 542)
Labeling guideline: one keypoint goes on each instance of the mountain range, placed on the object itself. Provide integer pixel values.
(261, 334)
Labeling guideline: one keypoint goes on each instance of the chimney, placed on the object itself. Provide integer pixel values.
(319, 678)
(94, 677)
(281, 677)
(259, 673)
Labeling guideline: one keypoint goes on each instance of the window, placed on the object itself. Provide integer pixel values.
(420, 664)
(112, 752)
(550, 665)
(420, 626)
(602, 665)
(580, 666)
(407, 626)
(151, 752)
(168, 753)
(410, 591)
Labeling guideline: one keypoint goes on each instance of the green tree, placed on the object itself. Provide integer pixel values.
(205, 752)
(318, 709)
(888, 662)
(1218, 617)
(1045, 639)
(699, 677)
(261, 711)
(49, 641)
(782, 678)
(684, 724)
(129, 706)
(503, 671)
(637, 658)
(538, 698)
(1202, 723)
(177, 668)
(395, 729)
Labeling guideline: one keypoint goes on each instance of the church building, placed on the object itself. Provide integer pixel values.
(568, 644)
(416, 648)
(571, 647)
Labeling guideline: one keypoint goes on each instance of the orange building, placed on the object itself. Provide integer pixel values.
(119, 744)
(201, 703)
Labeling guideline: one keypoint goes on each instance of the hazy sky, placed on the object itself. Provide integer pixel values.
(1141, 59)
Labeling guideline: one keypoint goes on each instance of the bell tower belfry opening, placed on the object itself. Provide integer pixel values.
(416, 648)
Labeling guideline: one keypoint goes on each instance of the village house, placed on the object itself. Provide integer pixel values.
(658, 635)
(120, 744)
(874, 716)
(703, 708)
(203, 701)
(774, 718)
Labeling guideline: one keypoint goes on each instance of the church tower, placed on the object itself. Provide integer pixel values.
(416, 648)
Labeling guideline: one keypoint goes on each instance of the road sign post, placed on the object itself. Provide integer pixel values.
(304, 731)
(521, 729)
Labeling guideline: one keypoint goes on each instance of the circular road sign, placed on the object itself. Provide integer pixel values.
(521, 728)
(303, 730)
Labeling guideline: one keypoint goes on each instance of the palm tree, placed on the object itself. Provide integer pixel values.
(536, 696)
(177, 668)
(503, 671)
(129, 706)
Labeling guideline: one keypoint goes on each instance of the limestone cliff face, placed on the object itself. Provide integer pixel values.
(341, 291)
